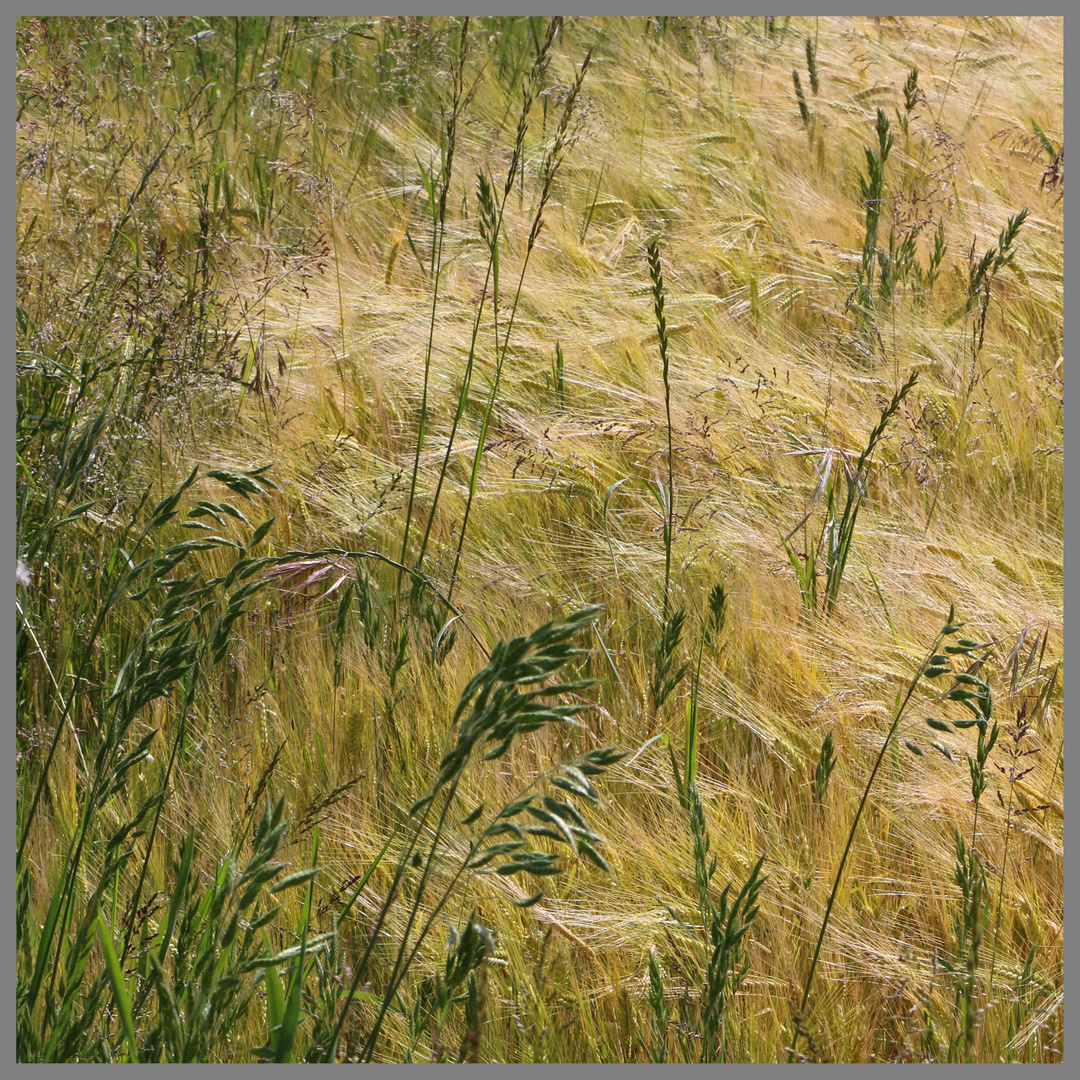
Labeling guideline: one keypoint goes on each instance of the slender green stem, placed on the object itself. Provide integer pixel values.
(474, 474)
(690, 764)
(361, 966)
(438, 236)
(548, 172)
(113, 598)
(177, 747)
(1001, 887)
(401, 965)
(661, 328)
(422, 428)
(538, 69)
(902, 705)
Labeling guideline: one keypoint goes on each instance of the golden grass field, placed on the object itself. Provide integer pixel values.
(276, 266)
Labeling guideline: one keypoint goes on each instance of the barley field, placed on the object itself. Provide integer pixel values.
(540, 540)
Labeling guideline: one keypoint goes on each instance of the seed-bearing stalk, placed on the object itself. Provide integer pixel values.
(930, 668)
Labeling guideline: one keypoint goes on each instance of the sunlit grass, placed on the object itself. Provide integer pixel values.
(262, 293)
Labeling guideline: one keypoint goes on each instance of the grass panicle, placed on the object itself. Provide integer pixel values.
(719, 945)
(833, 545)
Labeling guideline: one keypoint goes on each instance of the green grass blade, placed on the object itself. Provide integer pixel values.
(48, 931)
(275, 1004)
(286, 1038)
(116, 980)
(177, 898)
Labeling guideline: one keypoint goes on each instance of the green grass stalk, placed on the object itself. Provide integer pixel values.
(928, 668)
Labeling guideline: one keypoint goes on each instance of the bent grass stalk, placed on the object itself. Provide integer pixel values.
(491, 228)
(548, 172)
(837, 532)
(494, 708)
(438, 236)
(718, 944)
(838, 545)
(932, 666)
(173, 650)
